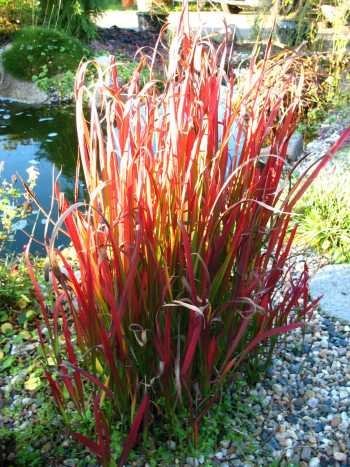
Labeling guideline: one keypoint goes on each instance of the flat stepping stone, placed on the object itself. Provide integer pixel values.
(333, 283)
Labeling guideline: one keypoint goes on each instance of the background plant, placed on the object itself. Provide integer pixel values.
(179, 273)
(324, 216)
(72, 16)
(328, 59)
(15, 14)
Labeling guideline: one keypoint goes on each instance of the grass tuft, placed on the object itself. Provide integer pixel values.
(324, 216)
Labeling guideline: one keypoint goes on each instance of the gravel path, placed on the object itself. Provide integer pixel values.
(329, 132)
(305, 413)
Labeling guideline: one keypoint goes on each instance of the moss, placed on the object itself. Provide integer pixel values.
(40, 50)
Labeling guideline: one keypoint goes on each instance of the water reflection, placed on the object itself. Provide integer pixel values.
(43, 137)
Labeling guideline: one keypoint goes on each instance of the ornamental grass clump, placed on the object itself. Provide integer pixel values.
(324, 216)
(179, 273)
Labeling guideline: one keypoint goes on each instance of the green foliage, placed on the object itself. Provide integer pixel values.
(43, 439)
(15, 288)
(38, 53)
(126, 68)
(14, 14)
(10, 210)
(232, 419)
(109, 4)
(14, 208)
(324, 216)
(73, 16)
(62, 84)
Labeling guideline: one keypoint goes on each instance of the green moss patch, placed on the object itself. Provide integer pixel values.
(38, 51)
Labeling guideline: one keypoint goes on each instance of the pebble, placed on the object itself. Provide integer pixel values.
(313, 402)
(314, 462)
(340, 456)
(306, 454)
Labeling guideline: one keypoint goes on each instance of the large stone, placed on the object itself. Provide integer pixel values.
(332, 282)
(295, 147)
(18, 90)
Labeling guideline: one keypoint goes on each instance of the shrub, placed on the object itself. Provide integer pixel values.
(39, 51)
(179, 275)
(73, 16)
(324, 216)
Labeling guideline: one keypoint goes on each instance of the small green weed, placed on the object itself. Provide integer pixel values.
(15, 287)
(126, 69)
(62, 84)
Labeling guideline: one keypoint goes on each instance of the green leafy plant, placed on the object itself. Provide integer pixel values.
(62, 84)
(178, 274)
(14, 206)
(126, 68)
(15, 287)
(38, 53)
(72, 16)
(324, 216)
(327, 67)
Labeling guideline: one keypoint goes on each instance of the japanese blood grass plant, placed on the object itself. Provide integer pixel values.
(180, 261)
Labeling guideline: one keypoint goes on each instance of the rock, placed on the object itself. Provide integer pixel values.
(314, 462)
(332, 282)
(335, 421)
(299, 403)
(172, 445)
(340, 456)
(344, 427)
(306, 453)
(295, 147)
(319, 427)
(313, 402)
(225, 443)
(18, 90)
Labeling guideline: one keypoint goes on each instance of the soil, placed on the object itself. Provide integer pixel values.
(126, 41)
(129, 42)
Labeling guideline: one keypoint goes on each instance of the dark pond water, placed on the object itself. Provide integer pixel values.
(37, 139)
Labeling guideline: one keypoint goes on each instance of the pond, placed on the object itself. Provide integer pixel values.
(36, 141)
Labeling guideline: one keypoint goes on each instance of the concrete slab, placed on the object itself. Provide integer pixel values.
(333, 283)
(123, 19)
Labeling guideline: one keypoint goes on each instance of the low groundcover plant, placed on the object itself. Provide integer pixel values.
(179, 269)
